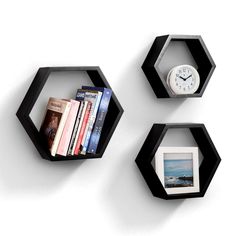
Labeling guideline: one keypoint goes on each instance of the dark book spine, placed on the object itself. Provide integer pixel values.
(101, 115)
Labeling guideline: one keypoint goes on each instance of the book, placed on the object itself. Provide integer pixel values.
(52, 126)
(68, 128)
(82, 124)
(93, 97)
(83, 127)
(101, 115)
(76, 129)
(96, 102)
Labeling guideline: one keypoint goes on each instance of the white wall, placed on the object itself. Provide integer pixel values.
(109, 196)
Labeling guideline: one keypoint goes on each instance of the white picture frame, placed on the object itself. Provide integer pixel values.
(178, 169)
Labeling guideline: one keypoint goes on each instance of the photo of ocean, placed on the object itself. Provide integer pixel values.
(178, 172)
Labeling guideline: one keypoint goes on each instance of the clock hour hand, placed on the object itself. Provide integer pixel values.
(181, 78)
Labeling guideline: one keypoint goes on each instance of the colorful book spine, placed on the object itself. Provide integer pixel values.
(82, 130)
(91, 123)
(101, 115)
(92, 97)
(68, 129)
(76, 128)
(86, 104)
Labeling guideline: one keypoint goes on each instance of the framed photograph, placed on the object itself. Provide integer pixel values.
(178, 169)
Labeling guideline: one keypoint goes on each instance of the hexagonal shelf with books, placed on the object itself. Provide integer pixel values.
(168, 52)
(175, 180)
(45, 76)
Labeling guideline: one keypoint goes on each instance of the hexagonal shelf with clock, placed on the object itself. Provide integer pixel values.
(178, 66)
(94, 77)
(208, 156)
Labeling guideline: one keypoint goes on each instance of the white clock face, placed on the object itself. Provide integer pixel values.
(183, 80)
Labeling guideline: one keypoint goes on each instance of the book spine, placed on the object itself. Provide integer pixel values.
(68, 129)
(102, 111)
(82, 130)
(91, 123)
(60, 130)
(74, 135)
(80, 125)
(91, 97)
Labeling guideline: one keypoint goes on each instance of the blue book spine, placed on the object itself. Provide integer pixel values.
(101, 115)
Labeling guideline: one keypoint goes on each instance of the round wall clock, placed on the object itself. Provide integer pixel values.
(183, 79)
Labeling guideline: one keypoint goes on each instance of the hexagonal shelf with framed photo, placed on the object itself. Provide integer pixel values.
(178, 66)
(70, 113)
(178, 160)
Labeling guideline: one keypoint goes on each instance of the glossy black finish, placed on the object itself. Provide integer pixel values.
(112, 118)
(207, 168)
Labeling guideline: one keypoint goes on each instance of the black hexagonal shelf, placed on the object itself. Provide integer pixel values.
(207, 168)
(199, 52)
(112, 118)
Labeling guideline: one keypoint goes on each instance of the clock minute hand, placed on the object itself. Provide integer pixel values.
(188, 77)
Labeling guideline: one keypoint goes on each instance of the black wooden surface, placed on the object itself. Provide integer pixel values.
(207, 169)
(113, 116)
(199, 52)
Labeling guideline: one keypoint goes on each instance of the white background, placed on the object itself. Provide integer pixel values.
(109, 196)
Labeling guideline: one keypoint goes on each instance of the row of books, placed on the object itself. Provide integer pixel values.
(73, 127)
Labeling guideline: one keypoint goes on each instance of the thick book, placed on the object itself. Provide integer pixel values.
(93, 97)
(68, 128)
(83, 127)
(77, 126)
(101, 115)
(55, 118)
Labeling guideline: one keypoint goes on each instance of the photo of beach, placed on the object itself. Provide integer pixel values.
(178, 172)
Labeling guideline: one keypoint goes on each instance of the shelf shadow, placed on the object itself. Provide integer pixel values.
(130, 200)
(22, 170)
(138, 98)
(126, 193)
